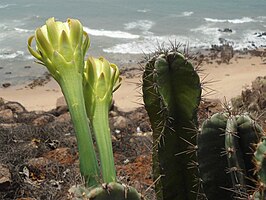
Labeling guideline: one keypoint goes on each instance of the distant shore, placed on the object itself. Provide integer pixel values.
(226, 78)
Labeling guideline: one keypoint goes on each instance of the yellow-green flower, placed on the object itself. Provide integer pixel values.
(101, 79)
(60, 45)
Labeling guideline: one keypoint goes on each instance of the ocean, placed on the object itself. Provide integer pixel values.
(122, 30)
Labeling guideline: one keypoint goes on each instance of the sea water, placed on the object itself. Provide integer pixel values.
(122, 29)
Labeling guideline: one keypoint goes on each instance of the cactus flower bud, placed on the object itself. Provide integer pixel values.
(101, 79)
(60, 45)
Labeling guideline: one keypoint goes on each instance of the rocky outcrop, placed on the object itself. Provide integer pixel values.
(253, 99)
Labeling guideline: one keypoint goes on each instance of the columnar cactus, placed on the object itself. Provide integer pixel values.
(172, 92)
(225, 155)
(260, 162)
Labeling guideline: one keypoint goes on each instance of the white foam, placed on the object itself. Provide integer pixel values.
(143, 25)
(251, 40)
(11, 55)
(111, 34)
(150, 44)
(6, 5)
(143, 10)
(233, 21)
(187, 13)
(21, 30)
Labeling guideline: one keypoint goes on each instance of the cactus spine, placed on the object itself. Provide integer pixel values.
(225, 151)
(172, 92)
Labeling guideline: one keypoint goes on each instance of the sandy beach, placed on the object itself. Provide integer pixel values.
(226, 81)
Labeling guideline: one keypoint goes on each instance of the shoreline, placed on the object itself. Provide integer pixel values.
(227, 79)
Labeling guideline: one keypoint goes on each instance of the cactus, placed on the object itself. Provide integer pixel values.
(111, 191)
(171, 93)
(88, 88)
(260, 162)
(225, 151)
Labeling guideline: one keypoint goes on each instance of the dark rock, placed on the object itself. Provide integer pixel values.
(8, 73)
(260, 34)
(5, 177)
(226, 30)
(6, 85)
(27, 67)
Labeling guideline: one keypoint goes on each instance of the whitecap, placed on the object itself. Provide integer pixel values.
(21, 30)
(150, 44)
(143, 10)
(11, 55)
(233, 21)
(187, 13)
(6, 5)
(143, 25)
(111, 34)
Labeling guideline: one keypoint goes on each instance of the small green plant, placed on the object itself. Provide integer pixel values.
(88, 88)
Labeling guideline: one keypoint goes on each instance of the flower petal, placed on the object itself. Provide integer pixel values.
(76, 32)
(43, 44)
(33, 52)
(53, 33)
(86, 43)
(65, 47)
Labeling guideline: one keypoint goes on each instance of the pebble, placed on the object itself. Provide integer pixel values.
(5, 85)
(120, 122)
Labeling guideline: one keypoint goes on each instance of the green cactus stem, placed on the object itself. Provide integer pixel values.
(172, 92)
(234, 156)
(110, 191)
(225, 145)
